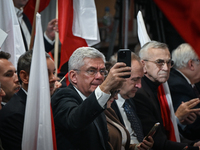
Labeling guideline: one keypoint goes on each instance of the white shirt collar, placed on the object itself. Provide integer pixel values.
(185, 77)
(19, 13)
(81, 95)
(120, 102)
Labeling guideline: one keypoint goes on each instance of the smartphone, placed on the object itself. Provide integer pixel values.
(124, 55)
(153, 130)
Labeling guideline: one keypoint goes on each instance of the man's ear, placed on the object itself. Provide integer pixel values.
(144, 66)
(191, 65)
(24, 76)
(73, 76)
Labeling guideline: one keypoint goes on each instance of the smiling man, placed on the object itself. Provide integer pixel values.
(80, 122)
(8, 77)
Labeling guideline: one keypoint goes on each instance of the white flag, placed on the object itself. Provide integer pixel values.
(142, 32)
(9, 24)
(85, 21)
(37, 133)
(144, 38)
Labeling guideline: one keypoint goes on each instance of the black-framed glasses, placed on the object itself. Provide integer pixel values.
(93, 72)
(160, 63)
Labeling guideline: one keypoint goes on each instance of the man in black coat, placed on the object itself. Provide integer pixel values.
(12, 114)
(183, 77)
(79, 119)
(26, 27)
(127, 91)
(157, 62)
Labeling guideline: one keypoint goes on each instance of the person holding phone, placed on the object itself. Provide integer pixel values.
(132, 124)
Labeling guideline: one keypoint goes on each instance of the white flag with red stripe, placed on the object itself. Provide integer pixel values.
(144, 38)
(37, 133)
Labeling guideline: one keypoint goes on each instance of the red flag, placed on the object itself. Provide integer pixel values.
(65, 21)
(29, 9)
(184, 16)
(82, 17)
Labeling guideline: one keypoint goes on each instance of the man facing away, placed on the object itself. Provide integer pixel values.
(155, 57)
(78, 109)
(12, 115)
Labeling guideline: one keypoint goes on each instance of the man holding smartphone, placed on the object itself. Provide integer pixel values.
(125, 109)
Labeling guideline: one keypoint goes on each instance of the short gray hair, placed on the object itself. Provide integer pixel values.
(76, 61)
(182, 54)
(143, 53)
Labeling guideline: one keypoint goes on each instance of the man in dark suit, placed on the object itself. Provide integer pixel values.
(183, 76)
(8, 77)
(127, 91)
(12, 115)
(78, 109)
(26, 27)
(155, 57)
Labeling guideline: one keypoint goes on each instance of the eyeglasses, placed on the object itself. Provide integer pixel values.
(197, 60)
(160, 63)
(93, 72)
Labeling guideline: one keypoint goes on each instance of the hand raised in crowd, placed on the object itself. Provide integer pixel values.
(114, 79)
(52, 27)
(186, 113)
(146, 144)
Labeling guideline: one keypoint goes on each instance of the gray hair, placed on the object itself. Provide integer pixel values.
(182, 54)
(76, 61)
(143, 53)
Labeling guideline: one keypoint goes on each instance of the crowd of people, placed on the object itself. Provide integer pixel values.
(102, 110)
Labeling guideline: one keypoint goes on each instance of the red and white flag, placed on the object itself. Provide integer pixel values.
(38, 133)
(9, 24)
(77, 24)
(167, 110)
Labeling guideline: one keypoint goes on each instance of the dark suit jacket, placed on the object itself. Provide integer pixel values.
(182, 91)
(148, 110)
(115, 137)
(12, 121)
(47, 45)
(79, 124)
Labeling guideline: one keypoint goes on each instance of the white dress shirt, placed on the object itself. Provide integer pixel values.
(120, 103)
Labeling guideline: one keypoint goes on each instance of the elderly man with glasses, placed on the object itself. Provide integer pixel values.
(80, 122)
(155, 57)
(183, 77)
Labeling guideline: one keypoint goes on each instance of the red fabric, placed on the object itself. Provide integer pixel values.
(65, 21)
(53, 131)
(67, 80)
(165, 112)
(184, 16)
(29, 9)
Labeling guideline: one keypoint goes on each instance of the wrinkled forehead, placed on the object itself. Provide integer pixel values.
(158, 53)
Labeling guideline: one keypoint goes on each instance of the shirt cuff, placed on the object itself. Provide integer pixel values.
(48, 40)
(181, 125)
(102, 97)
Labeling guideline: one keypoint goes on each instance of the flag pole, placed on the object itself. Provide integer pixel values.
(56, 43)
(33, 28)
